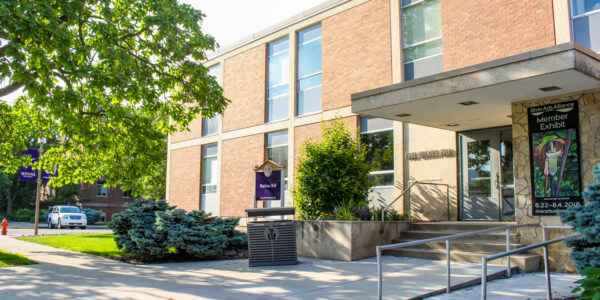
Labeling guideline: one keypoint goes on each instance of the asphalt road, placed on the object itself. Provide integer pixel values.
(18, 229)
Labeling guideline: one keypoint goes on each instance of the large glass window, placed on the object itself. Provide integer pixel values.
(378, 137)
(101, 189)
(309, 71)
(278, 86)
(210, 126)
(209, 169)
(421, 38)
(585, 15)
(277, 147)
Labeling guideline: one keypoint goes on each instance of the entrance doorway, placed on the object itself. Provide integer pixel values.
(486, 175)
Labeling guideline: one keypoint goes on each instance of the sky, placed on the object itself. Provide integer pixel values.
(232, 20)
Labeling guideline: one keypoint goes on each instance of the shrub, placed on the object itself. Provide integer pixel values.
(331, 173)
(150, 228)
(590, 285)
(92, 215)
(22, 215)
(586, 220)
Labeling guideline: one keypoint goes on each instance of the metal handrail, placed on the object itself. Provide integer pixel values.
(544, 244)
(379, 249)
(407, 190)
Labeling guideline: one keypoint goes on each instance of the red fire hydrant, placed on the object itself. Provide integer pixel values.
(4, 225)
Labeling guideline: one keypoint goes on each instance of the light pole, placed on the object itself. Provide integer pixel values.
(41, 141)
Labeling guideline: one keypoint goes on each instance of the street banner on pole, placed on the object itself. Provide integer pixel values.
(28, 174)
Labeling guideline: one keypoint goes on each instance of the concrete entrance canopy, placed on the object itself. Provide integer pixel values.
(435, 100)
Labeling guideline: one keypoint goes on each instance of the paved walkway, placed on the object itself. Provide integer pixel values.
(63, 274)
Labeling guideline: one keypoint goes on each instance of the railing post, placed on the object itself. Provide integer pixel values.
(547, 271)
(483, 278)
(508, 272)
(380, 274)
(447, 266)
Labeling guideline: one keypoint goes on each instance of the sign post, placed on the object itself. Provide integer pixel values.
(269, 183)
(41, 176)
(555, 158)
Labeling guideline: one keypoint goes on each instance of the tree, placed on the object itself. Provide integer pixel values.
(111, 78)
(15, 194)
(331, 173)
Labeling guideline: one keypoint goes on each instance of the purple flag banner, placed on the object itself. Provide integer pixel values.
(28, 174)
(268, 188)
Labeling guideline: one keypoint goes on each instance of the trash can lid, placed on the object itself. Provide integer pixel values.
(271, 211)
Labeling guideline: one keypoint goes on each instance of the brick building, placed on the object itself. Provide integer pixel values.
(448, 86)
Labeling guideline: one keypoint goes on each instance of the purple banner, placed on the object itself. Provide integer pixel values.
(28, 174)
(268, 188)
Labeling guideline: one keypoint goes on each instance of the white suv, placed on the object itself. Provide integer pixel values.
(66, 216)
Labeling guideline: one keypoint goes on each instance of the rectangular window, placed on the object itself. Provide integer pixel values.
(127, 194)
(585, 15)
(309, 71)
(209, 169)
(101, 190)
(277, 148)
(421, 38)
(377, 135)
(278, 85)
(210, 126)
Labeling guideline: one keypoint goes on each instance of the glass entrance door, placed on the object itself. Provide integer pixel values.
(486, 175)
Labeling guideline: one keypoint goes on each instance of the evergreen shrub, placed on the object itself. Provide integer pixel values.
(331, 174)
(586, 248)
(93, 216)
(150, 229)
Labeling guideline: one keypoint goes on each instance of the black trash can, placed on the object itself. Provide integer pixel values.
(271, 243)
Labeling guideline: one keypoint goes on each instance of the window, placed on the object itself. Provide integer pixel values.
(585, 15)
(101, 190)
(277, 148)
(210, 126)
(209, 169)
(278, 85)
(127, 194)
(378, 137)
(309, 71)
(421, 38)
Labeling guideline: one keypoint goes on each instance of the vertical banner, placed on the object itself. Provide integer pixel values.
(554, 156)
(28, 174)
(268, 187)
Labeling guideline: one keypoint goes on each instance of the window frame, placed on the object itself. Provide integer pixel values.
(307, 76)
(405, 46)
(203, 165)
(281, 96)
(380, 172)
(102, 188)
(215, 118)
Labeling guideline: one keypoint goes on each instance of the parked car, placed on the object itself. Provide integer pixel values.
(66, 216)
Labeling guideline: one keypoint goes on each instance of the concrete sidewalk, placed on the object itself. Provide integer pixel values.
(62, 273)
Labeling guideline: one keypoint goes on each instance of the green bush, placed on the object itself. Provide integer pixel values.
(93, 216)
(590, 285)
(22, 215)
(331, 174)
(586, 220)
(150, 228)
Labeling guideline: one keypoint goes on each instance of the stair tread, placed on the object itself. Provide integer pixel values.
(456, 232)
(459, 242)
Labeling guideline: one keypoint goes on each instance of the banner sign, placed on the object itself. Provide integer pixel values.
(554, 155)
(268, 187)
(28, 174)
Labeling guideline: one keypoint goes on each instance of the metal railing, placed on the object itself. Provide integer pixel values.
(447, 239)
(407, 190)
(544, 244)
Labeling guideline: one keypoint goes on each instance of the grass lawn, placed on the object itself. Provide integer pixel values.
(97, 244)
(8, 259)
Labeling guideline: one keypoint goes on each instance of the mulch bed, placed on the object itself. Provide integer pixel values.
(179, 257)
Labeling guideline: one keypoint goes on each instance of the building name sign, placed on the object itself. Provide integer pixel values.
(431, 154)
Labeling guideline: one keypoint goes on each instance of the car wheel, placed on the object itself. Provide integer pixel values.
(82, 227)
(59, 225)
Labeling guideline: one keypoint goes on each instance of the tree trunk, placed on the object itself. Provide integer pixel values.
(10, 198)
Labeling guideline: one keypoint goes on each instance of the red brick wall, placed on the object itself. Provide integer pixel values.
(244, 84)
(195, 131)
(237, 176)
(356, 52)
(184, 178)
(477, 31)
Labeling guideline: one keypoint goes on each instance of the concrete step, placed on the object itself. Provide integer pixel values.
(525, 262)
(465, 246)
(456, 227)
(499, 237)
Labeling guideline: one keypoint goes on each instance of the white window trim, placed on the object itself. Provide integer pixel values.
(423, 58)
(310, 75)
(310, 41)
(412, 4)
(377, 130)
(422, 42)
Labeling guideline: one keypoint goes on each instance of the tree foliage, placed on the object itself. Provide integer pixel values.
(586, 220)
(105, 76)
(331, 173)
(149, 228)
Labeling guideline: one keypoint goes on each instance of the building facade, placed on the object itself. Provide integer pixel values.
(450, 88)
